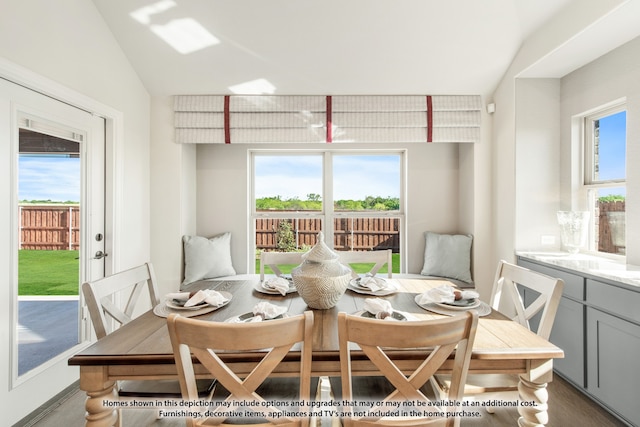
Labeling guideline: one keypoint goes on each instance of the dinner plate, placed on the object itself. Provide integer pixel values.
(179, 305)
(261, 288)
(355, 287)
(468, 304)
(246, 316)
(396, 315)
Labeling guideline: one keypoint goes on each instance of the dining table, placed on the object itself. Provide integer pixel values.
(141, 349)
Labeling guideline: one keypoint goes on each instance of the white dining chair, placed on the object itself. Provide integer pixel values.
(114, 301)
(378, 259)
(545, 292)
(275, 260)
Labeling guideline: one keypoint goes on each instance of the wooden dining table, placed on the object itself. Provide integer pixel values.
(141, 349)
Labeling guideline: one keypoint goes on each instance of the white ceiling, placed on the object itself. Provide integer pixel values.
(328, 46)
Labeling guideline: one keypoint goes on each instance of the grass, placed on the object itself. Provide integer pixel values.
(358, 267)
(48, 272)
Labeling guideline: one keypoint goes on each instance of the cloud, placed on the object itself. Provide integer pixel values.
(49, 178)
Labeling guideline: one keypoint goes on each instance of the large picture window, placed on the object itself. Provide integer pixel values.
(354, 198)
(605, 178)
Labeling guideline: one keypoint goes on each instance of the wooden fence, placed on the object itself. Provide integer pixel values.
(49, 227)
(611, 227)
(355, 234)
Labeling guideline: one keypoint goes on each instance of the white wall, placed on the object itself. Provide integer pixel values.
(433, 195)
(68, 44)
(609, 78)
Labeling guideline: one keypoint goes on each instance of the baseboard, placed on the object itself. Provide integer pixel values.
(47, 407)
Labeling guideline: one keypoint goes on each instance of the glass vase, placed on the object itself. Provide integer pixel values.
(574, 228)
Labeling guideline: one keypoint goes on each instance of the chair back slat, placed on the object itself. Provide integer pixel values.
(378, 258)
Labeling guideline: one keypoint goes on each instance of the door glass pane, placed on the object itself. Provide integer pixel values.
(288, 183)
(366, 182)
(48, 261)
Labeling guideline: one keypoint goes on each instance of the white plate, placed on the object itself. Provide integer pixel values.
(355, 287)
(175, 306)
(261, 288)
(247, 316)
(459, 306)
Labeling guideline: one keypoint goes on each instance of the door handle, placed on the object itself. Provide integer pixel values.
(100, 255)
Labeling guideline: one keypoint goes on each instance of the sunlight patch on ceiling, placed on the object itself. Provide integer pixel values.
(254, 87)
(185, 35)
(143, 15)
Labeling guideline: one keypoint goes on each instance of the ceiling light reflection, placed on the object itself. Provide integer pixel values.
(185, 35)
(254, 87)
(143, 15)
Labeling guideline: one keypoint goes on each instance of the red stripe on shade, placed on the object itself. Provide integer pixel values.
(429, 119)
(329, 123)
(227, 120)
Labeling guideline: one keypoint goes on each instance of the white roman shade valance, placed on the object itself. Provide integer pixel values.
(230, 119)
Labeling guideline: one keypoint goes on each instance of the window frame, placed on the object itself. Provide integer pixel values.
(589, 185)
(328, 213)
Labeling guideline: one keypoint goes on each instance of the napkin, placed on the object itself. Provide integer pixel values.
(180, 296)
(445, 294)
(210, 296)
(279, 284)
(373, 283)
(266, 310)
(379, 307)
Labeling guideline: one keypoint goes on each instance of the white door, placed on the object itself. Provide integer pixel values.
(56, 158)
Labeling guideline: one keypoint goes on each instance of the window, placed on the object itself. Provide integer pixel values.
(605, 178)
(353, 197)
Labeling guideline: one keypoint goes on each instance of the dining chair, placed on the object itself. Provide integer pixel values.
(274, 260)
(446, 338)
(114, 301)
(542, 298)
(377, 258)
(202, 340)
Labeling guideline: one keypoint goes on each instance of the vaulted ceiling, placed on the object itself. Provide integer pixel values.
(323, 47)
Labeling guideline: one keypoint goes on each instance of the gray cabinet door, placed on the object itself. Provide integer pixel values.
(568, 334)
(613, 349)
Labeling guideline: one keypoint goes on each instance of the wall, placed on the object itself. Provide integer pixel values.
(609, 78)
(222, 183)
(69, 45)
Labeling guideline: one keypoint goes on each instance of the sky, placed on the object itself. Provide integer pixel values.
(612, 146)
(355, 177)
(54, 178)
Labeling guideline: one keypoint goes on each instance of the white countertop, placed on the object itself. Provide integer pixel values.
(602, 267)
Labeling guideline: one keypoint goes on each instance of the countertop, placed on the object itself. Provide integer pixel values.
(599, 267)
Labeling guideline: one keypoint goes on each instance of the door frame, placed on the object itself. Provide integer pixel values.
(114, 184)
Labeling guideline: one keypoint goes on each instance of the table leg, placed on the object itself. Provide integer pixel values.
(93, 382)
(534, 396)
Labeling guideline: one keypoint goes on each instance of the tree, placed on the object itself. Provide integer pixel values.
(285, 240)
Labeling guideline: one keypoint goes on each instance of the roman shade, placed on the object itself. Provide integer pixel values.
(207, 119)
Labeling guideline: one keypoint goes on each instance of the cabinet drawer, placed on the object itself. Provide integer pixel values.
(614, 299)
(573, 284)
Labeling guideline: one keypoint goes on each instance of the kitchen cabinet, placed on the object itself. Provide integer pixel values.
(598, 327)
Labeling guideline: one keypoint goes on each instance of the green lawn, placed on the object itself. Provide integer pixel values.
(359, 267)
(48, 272)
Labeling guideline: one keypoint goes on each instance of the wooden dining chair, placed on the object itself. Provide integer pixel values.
(205, 341)
(378, 258)
(114, 301)
(541, 297)
(445, 339)
(274, 260)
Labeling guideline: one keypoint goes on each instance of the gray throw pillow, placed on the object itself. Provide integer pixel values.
(207, 258)
(447, 255)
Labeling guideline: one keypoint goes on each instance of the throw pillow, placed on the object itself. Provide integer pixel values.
(447, 255)
(207, 258)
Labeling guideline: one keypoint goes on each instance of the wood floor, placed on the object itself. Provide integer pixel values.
(568, 408)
